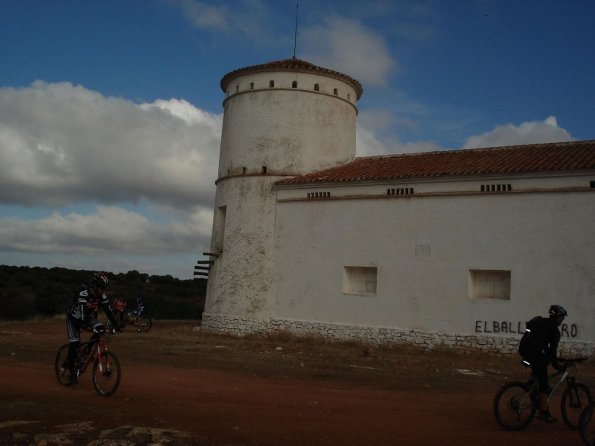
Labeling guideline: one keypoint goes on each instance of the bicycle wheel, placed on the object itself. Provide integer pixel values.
(574, 400)
(106, 374)
(144, 323)
(587, 427)
(61, 366)
(514, 406)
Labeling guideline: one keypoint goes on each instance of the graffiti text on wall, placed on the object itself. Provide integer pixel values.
(566, 330)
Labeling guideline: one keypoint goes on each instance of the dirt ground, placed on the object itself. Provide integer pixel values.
(184, 387)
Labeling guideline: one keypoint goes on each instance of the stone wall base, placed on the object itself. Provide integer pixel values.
(241, 326)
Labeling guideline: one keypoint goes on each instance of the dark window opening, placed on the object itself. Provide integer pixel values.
(251, 85)
(316, 87)
(592, 184)
(264, 169)
(271, 84)
(294, 84)
(336, 92)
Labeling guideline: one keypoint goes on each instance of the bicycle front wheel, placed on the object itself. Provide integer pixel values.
(575, 399)
(61, 366)
(514, 406)
(588, 425)
(144, 323)
(106, 374)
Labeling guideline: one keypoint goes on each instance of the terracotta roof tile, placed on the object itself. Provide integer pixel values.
(296, 65)
(550, 157)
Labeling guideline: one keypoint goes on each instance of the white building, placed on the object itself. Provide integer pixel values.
(449, 247)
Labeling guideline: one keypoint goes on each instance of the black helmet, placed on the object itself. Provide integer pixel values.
(557, 310)
(99, 280)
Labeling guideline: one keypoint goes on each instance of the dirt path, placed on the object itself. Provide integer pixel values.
(238, 407)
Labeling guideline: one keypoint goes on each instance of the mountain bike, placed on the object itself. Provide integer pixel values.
(140, 320)
(588, 425)
(106, 367)
(136, 318)
(516, 402)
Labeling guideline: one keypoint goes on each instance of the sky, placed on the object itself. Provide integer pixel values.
(111, 110)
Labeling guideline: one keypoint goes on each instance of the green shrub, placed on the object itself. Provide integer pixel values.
(15, 306)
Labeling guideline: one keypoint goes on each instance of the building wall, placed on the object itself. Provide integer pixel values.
(241, 325)
(424, 248)
(241, 276)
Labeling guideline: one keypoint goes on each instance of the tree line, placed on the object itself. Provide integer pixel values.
(29, 292)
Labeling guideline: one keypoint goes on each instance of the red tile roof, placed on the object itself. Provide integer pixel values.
(296, 65)
(551, 157)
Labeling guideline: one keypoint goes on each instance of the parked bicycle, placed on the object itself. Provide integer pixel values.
(516, 402)
(106, 367)
(587, 428)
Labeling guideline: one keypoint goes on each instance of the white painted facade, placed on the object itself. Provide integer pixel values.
(350, 260)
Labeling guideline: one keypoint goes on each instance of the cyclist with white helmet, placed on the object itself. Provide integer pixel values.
(539, 347)
(81, 314)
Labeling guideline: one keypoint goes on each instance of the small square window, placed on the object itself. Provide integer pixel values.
(489, 284)
(359, 279)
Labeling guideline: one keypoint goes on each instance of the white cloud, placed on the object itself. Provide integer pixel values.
(147, 171)
(349, 47)
(378, 134)
(205, 16)
(106, 230)
(62, 144)
(532, 132)
(249, 19)
(369, 144)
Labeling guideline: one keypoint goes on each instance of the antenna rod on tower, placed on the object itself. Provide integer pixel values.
(296, 25)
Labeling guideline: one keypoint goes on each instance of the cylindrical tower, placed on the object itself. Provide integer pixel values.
(282, 118)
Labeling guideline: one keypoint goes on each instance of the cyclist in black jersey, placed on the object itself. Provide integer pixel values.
(539, 347)
(81, 314)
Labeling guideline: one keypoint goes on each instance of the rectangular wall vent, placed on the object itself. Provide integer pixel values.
(400, 191)
(496, 187)
(319, 194)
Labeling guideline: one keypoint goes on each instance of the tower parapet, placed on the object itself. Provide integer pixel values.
(287, 117)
